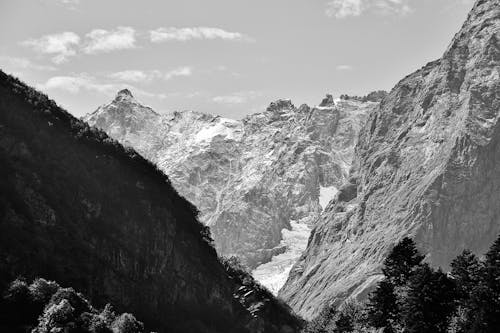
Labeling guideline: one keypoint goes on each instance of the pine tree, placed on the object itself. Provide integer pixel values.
(382, 306)
(429, 303)
(465, 270)
(321, 323)
(485, 298)
(400, 263)
(343, 324)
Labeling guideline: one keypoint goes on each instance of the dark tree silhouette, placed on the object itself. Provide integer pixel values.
(343, 324)
(465, 270)
(485, 298)
(400, 263)
(430, 301)
(382, 306)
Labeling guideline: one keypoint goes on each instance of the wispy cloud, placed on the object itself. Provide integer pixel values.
(135, 75)
(344, 68)
(100, 40)
(70, 4)
(147, 76)
(185, 34)
(181, 71)
(347, 8)
(74, 84)
(61, 46)
(77, 83)
(240, 97)
(23, 63)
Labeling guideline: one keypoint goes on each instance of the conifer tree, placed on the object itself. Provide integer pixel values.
(485, 298)
(400, 263)
(321, 323)
(465, 270)
(382, 306)
(429, 303)
(343, 324)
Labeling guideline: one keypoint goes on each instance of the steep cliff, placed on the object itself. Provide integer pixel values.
(77, 207)
(427, 165)
(259, 183)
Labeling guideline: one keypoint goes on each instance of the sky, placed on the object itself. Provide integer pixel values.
(226, 57)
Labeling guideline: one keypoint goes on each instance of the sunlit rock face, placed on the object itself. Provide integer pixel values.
(254, 179)
(427, 165)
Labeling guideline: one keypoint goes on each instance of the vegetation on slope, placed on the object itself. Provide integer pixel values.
(415, 298)
(78, 208)
(44, 307)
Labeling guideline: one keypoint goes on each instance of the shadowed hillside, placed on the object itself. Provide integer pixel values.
(78, 208)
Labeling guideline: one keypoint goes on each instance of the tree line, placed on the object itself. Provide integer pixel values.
(413, 297)
(45, 307)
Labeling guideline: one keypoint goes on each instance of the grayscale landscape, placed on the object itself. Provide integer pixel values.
(284, 166)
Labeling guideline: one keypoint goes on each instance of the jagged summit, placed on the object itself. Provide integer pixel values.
(247, 177)
(327, 101)
(280, 104)
(124, 95)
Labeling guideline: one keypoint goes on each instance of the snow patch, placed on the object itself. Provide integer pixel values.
(208, 133)
(274, 274)
(326, 194)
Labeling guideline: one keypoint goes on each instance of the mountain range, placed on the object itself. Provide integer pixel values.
(259, 182)
(419, 162)
(133, 207)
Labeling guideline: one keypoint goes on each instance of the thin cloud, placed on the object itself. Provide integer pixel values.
(102, 41)
(135, 75)
(148, 76)
(236, 98)
(185, 34)
(181, 71)
(68, 2)
(61, 46)
(23, 63)
(344, 8)
(74, 84)
(349, 8)
(344, 67)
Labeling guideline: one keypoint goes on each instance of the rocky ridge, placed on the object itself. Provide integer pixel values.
(259, 183)
(427, 165)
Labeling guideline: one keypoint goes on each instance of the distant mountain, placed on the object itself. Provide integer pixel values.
(427, 165)
(259, 183)
(78, 208)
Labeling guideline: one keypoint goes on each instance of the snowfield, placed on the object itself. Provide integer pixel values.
(274, 274)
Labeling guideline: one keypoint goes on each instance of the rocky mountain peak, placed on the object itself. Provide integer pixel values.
(279, 105)
(258, 182)
(327, 101)
(124, 94)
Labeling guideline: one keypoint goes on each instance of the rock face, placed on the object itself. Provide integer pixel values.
(254, 181)
(427, 165)
(77, 207)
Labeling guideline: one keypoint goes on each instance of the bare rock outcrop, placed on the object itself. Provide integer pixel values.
(427, 165)
(255, 181)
